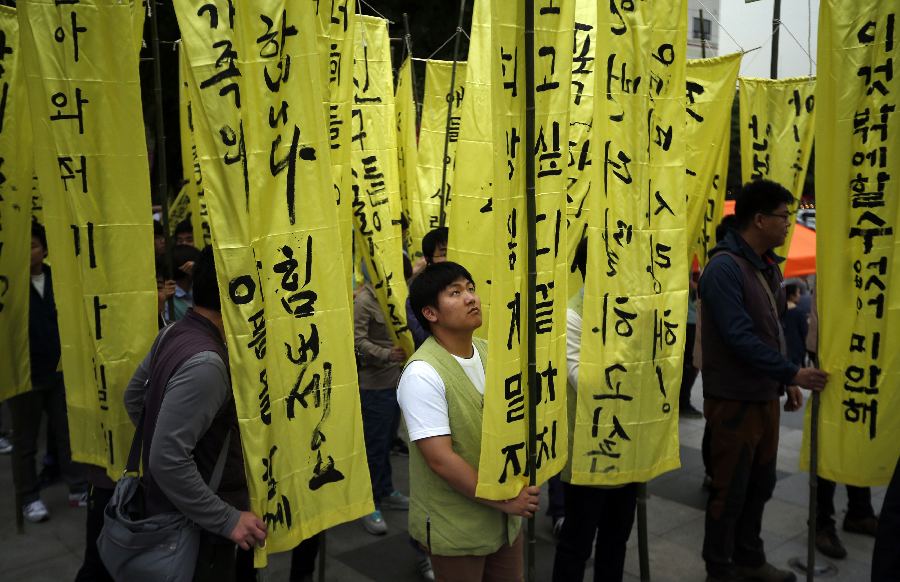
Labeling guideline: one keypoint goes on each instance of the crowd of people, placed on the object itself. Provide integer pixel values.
(752, 338)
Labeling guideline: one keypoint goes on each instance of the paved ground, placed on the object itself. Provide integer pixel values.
(52, 551)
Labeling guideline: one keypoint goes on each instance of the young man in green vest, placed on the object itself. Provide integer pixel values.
(441, 394)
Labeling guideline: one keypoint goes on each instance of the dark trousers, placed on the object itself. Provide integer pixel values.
(556, 506)
(859, 503)
(379, 410)
(743, 440)
(221, 560)
(688, 372)
(886, 558)
(26, 410)
(606, 514)
(92, 569)
(303, 559)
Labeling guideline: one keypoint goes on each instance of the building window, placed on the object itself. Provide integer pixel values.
(702, 28)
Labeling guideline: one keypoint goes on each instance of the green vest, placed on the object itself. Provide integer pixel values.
(576, 304)
(440, 518)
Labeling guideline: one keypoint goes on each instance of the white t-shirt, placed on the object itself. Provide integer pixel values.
(38, 281)
(423, 397)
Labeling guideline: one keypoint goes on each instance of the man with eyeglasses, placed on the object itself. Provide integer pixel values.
(745, 372)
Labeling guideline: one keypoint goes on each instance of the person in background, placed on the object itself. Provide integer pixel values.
(796, 325)
(441, 390)
(885, 557)
(434, 250)
(159, 239)
(379, 367)
(47, 394)
(689, 372)
(184, 256)
(745, 371)
(604, 514)
(184, 233)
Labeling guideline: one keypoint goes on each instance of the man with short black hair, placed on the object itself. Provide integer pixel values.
(434, 250)
(441, 393)
(745, 371)
(182, 391)
(184, 233)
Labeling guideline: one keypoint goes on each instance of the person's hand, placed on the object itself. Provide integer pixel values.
(419, 265)
(250, 531)
(525, 504)
(187, 268)
(398, 354)
(163, 292)
(811, 379)
(794, 399)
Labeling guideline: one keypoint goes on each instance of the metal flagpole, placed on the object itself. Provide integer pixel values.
(322, 558)
(531, 243)
(643, 544)
(459, 32)
(407, 40)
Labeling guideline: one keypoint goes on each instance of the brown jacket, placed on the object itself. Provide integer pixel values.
(373, 344)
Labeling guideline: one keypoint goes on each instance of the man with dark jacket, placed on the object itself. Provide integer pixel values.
(47, 394)
(745, 371)
(182, 393)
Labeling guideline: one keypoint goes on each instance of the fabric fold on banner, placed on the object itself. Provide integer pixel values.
(16, 166)
(407, 153)
(425, 208)
(265, 157)
(635, 296)
(190, 162)
(858, 158)
(91, 161)
(708, 102)
(777, 124)
(376, 183)
(503, 463)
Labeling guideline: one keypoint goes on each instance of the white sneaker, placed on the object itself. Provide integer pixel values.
(35, 511)
(425, 570)
(5, 446)
(374, 524)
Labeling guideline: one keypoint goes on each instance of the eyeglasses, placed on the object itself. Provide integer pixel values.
(785, 217)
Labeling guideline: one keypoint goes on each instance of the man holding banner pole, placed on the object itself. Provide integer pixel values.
(745, 372)
(441, 393)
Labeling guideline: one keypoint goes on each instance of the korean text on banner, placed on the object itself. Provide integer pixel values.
(376, 184)
(635, 296)
(858, 157)
(275, 233)
(471, 225)
(407, 151)
(16, 164)
(190, 163)
(708, 102)
(502, 470)
(777, 123)
(426, 207)
(91, 160)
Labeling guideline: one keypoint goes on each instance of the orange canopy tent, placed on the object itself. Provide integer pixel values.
(801, 259)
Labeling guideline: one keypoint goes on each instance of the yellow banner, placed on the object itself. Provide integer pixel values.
(376, 183)
(777, 125)
(275, 232)
(336, 36)
(635, 297)
(581, 120)
(426, 207)
(16, 164)
(91, 159)
(857, 156)
(190, 163)
(407, 151)
(503, 464)
(710, 95)
(472, 222)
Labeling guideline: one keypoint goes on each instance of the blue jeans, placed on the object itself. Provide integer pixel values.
(379, 411)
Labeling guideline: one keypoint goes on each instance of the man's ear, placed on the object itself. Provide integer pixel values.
(430, 313)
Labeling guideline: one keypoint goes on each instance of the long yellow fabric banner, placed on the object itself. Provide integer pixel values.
(581, 120)
(858, 172)
(16, 164)
(708, 102)
(471, 241)
(635, 297)
(91, 160)
(407, 151)
(376, 184)
(503, 463)
(777, 124)
(264, 154)
(190, 163)
(426, 207)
